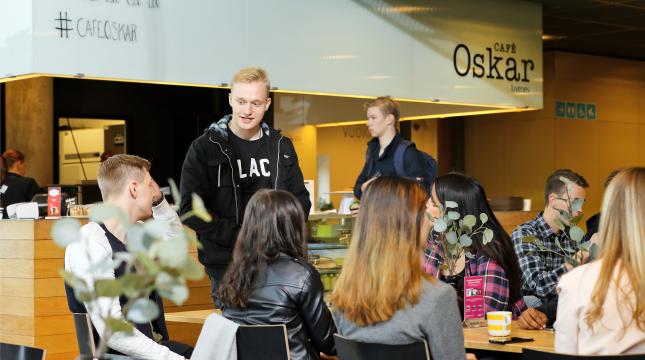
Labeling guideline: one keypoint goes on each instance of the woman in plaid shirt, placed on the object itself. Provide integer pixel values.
(496, 261)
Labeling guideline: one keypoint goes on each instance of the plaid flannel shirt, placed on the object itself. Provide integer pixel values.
(540, 270)
(496, 286)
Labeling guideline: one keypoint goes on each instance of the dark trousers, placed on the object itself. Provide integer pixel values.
(216, 278)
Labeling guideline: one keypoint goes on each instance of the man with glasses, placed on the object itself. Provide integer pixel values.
(235, 157)
(541, 270)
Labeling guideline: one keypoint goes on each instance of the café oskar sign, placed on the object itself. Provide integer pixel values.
(467, 52)
(498, 62)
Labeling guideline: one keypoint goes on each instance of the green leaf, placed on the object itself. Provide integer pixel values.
(440, 225)
(465, 240)
(135, 236)
(192, 270)
(142, 311)
(150, 265)
(470, 220)
(66, 231)
(134, 285)
(119, 325)
(172, 252)
(108, 287)
(106, 264)
(75, 282)
(443, 267)
(565, 215)
(451, 204)
(559, 224)
(565, 180)
(483, 217)
(576, 205)
(453, 215)
(593, 252)
(83, 296)
(529, 239)
(200, 210)
(451, 237)
(176, 196)
(102, 212)
(487, 237)
(190, 235)
(469, 255)
(157, 228)
(576, 219)
(177, 293)
(576, 233)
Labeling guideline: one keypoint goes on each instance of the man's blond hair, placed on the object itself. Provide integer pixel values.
(116, 171)
(387, 105)
(250, 75)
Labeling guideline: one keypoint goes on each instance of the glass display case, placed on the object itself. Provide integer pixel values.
(329, 236)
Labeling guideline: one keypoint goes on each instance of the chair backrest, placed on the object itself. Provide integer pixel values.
(20, 352)
(269, 342)
(356, 350)
(529, 354)
(85, 334)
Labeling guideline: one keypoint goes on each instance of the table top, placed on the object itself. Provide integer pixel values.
(477, 338)
(474, 338)
(194, 317)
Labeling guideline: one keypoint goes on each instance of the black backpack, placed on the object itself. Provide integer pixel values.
(430, 168)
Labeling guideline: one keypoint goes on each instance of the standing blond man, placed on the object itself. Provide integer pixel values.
(235, 157)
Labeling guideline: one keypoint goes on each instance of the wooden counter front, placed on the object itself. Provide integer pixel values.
(511, 219)
(33, 307)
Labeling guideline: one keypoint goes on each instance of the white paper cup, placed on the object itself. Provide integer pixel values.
(526, 206)
(499, 323)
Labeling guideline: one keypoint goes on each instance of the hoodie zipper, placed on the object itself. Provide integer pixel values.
(237, 220)
(277, 165)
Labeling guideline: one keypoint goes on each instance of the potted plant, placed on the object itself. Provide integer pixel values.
(571, 231)
(151, 263)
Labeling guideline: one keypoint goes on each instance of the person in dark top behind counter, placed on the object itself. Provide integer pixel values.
(382, 119)
(15, 187)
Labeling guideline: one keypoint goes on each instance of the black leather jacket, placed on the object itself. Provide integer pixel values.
(293, 295)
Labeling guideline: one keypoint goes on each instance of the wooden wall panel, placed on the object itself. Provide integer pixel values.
(33, 307)
(524, 148)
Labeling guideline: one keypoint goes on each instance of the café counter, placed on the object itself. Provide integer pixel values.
(33, 307)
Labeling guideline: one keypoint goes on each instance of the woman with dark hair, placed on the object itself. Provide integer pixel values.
(270, 281)
(15, 187)
(496, 261)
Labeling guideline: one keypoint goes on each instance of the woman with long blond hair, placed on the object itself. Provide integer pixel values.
(601, 307)
(383, 294)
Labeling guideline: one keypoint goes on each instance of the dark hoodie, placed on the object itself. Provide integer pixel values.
(211, 172)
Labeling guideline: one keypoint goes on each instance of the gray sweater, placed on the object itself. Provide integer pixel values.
(435, 318)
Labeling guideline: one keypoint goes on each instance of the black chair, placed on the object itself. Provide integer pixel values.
(355, 350)
(268, 342)
(20, 352)
(528, 354)
(85, 334)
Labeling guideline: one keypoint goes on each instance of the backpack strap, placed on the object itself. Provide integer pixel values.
(399, 154)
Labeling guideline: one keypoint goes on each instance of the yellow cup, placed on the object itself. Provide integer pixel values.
(499, 323)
